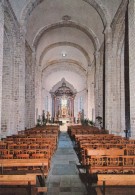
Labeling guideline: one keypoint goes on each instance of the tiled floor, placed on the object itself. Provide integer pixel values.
(64, 177)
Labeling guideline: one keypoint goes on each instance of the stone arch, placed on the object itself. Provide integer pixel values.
(56, 66)
(99, 7)
(72, 24)
(119, 15)
(59, 84)
(67, 44)
(67, 64)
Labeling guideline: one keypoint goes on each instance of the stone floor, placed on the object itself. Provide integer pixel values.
(63, 178)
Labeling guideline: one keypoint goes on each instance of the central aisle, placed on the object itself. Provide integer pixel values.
(63, 178)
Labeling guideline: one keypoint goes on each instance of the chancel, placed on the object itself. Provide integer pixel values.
(63, 99)
(67, 97)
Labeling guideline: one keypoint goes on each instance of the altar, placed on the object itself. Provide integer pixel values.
(65, 120)
(64, 108)
(63, 104)
(65, 123)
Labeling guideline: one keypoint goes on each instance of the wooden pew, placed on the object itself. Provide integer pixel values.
(88, 152)
(27, 181)
(29, 152)
(116, 180)
(25, 166)
(111, 164)
(106, 152)
(18, 179)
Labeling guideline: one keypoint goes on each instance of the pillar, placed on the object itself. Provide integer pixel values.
(108, 80)
(38, 91)
(1, 53)
(55, 108)
(97, 84)
(70, 107)
(131, 19)
(91, 95)
(21, 63)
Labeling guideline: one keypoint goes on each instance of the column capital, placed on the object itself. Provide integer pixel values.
(23, 30)
(107, 30)
(96, 54)
(108, 34)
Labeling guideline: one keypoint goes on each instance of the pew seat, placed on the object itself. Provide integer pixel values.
(12, 183)
(12, 166)
(111, 169)
(116, 180)
(27, 179)
(111, 151)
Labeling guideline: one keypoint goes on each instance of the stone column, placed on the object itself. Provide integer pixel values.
(33, 109)
(131, 16)
(72, 109)
(19, 80)
(97, 101)
(90, 86)
(108, 80)
(55, 108)
(21, 63)
(86, 103)
(1, 53)
(53, 104)
(38, 87)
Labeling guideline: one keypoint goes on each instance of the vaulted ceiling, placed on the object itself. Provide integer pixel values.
(65, 35)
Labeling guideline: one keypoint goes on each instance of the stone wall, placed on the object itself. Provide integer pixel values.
(7, 105)
(13, 75)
